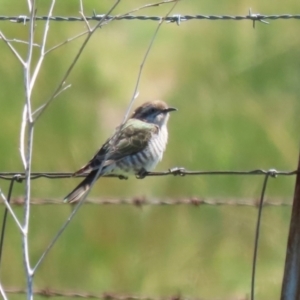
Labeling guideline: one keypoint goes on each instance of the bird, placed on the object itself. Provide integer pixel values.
(135, 148)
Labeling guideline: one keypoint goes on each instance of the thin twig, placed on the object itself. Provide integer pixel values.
(29, 3)
(151, 5)
(72, 215)
(62, 82)
(135, 92)
(41, 109)
(67, 41)
(42, 53)
(62, 229)
(20, 42)
(11, 47)
(104, 23)
(59, 92)
(2, 292)
(81, 12)
(22, 136)
(78, 205)
(5, 201)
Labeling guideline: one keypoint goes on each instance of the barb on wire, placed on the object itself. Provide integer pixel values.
(177, 18)
(143, 201)
(48, 292)
(173, 171)
(256, 17)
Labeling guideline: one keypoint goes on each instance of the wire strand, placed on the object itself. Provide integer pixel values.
(19, 176)
(142, 201)
(171, 19)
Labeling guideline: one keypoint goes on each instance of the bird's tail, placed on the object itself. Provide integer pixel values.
(81, 189)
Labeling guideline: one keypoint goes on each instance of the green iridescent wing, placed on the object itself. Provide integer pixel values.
(133, 137)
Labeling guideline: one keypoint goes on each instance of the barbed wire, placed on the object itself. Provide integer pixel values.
(176, 171)
(177, 18)
(47, 292)
(143, 201)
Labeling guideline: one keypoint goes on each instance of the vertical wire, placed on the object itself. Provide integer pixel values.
(5, 216)
(258, 222)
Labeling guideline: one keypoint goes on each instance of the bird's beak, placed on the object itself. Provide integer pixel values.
(169, 109)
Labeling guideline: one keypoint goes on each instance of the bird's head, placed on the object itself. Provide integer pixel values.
(156, 112)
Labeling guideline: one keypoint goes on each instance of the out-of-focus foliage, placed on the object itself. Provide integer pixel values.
(237, 92)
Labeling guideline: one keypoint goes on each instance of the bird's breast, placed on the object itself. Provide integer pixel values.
(156, 148)
(148, 157)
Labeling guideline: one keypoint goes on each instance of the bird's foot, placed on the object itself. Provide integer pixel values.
(177, 171)
(141, 174)
(122, 177)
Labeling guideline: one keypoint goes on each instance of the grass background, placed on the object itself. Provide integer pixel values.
(237, 92)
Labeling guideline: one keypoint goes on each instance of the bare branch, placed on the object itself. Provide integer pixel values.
(11, 47)
(27, 66)
(62, 229)
(29, 3)
(64, 226)
(2, 292)
(42, 55)
(22, 136)
(148, 6)
(67, 41)
(28, 152)
(25, 244)
(20, 42)
(90, 32)
(11, 211)
(83, 16)
(135, 93)
(104, 23)
(57, 90)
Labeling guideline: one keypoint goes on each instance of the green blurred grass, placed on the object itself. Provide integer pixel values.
(237, 92)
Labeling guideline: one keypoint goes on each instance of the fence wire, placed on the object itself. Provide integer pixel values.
(178, 18)
(48, 292)
(142, 201)
(177, 171)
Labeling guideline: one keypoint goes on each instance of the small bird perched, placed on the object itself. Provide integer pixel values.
(135, 148)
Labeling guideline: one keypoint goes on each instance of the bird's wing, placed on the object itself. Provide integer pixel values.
(133, 137)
